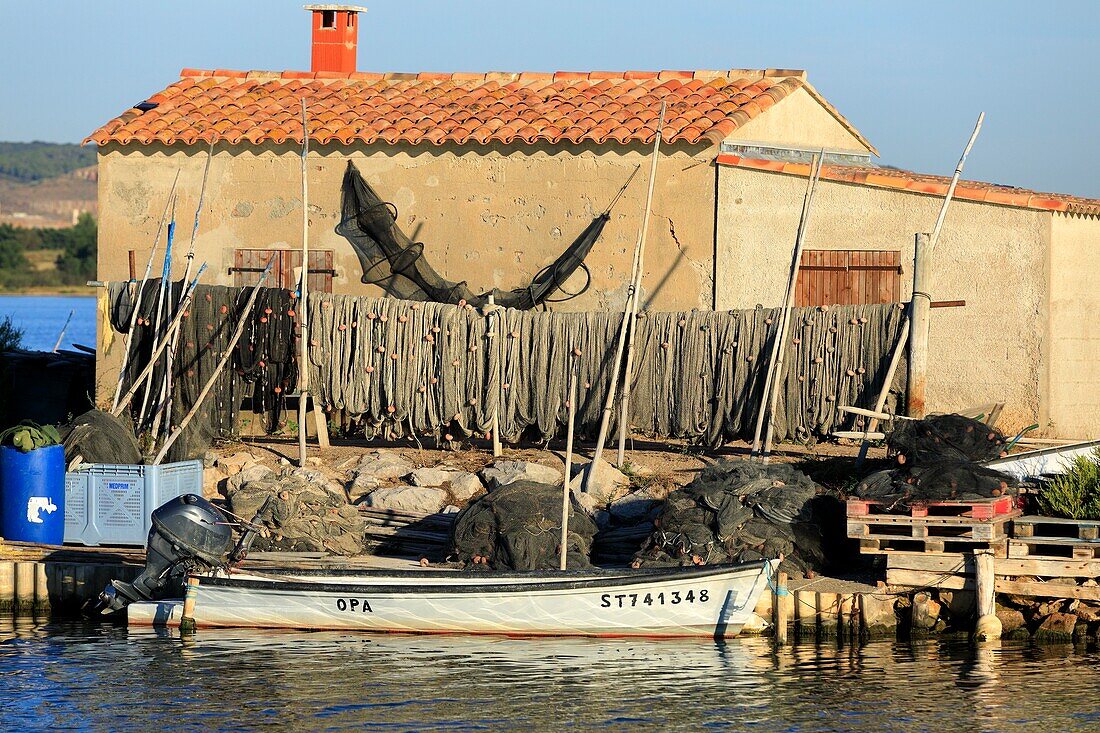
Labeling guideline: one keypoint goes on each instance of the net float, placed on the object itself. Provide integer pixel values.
(391, 409)
(402, 319)
(267, 311)
(263, 319)
(341, 327)
(368, 369)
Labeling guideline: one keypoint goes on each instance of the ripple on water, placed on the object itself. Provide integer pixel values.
(100, 677)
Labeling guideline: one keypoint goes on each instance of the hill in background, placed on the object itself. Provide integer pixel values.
(37, 161)
(46, 184)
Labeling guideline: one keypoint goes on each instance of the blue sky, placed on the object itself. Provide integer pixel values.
(912, 76)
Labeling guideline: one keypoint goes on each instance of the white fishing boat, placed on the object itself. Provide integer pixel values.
(709, 601)
(1044, 462)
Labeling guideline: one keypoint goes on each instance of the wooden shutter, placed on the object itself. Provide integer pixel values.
(848, 277)
(249, 263)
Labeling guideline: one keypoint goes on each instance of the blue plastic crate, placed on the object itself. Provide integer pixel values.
(111, 504)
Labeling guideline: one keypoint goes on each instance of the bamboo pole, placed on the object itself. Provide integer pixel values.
(629, 310)
(756, 441)
(61, 335)
(568, 485)
(140, 292)
(921, 300)
(162, 344)
(494, 344)
(303, 295)
(165, 403)
(166, 271)
(241, 323)
(775, 369)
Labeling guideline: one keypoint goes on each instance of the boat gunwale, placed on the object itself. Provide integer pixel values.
(587, 581)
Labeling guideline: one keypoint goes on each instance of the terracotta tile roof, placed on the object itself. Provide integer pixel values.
(990, 193)
(251, 107)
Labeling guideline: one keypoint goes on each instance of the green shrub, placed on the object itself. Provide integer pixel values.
(11, 337)
(1075, 494)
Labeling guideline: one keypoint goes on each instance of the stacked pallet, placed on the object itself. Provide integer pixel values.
(1054, 538)
(942, 527)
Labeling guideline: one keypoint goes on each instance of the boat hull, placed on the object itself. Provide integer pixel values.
(710, 602)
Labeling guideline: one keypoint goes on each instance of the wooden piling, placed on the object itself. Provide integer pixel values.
(805, 614)
(919, 309)
(781, 607)
(41, 587)
(828, 605)
(24, 585)
(988, 626)
(7, 584)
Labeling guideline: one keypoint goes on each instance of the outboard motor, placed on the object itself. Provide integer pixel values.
(188, 534)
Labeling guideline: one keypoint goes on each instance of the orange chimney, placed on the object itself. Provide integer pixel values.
(335, 37)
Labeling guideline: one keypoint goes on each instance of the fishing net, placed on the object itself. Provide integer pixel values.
(698, 375)
(939, 458)
(100, 437)
(397, 264)
(739, 511)
(262, 367)
(945, 438)
(518, 527)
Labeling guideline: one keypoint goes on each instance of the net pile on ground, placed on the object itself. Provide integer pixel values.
(263, 366)
(939, 459)
(738, 511)
(100, 437)
(518, 527)
(434, 368)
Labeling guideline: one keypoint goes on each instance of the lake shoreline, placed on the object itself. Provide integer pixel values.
(69, 290)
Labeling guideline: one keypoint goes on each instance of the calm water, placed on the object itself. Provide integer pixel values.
(84, 677)
(42, 316)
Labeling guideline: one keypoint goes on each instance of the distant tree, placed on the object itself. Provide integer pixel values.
(12, 258)
(10, 336)
(77, 261)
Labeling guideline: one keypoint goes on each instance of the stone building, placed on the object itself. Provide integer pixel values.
(496, 173)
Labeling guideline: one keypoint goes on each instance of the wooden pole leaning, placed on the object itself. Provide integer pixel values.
(635, 295)
(241, 323)
(495, 344)
(567, 486)
(922, 300)
(158, 318)
(165, 402)
(162, 344)
(758, 434)
(628, 309)
(303, 298)
(140, 291)
(774, 380)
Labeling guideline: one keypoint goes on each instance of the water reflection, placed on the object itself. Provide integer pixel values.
(105, 677)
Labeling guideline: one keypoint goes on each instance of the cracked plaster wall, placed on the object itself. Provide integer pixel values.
(493, 217)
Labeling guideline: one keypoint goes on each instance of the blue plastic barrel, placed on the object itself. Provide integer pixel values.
(32, 495)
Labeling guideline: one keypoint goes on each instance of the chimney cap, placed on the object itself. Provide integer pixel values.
(334, 6)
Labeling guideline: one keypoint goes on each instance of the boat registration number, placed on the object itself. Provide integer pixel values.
(353, 605)
(672, 598)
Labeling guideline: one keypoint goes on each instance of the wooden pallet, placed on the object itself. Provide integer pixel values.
(1054, 548)
(1056, 527)
(978, 509)
(963, 527)
(940, 545)
(1013, 575)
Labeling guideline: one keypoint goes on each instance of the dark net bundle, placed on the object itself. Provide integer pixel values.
(397, 264)
(263, 361)
(100, 437)
(739, 511)
(518, 527)
(939, 458)
(945, 438)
